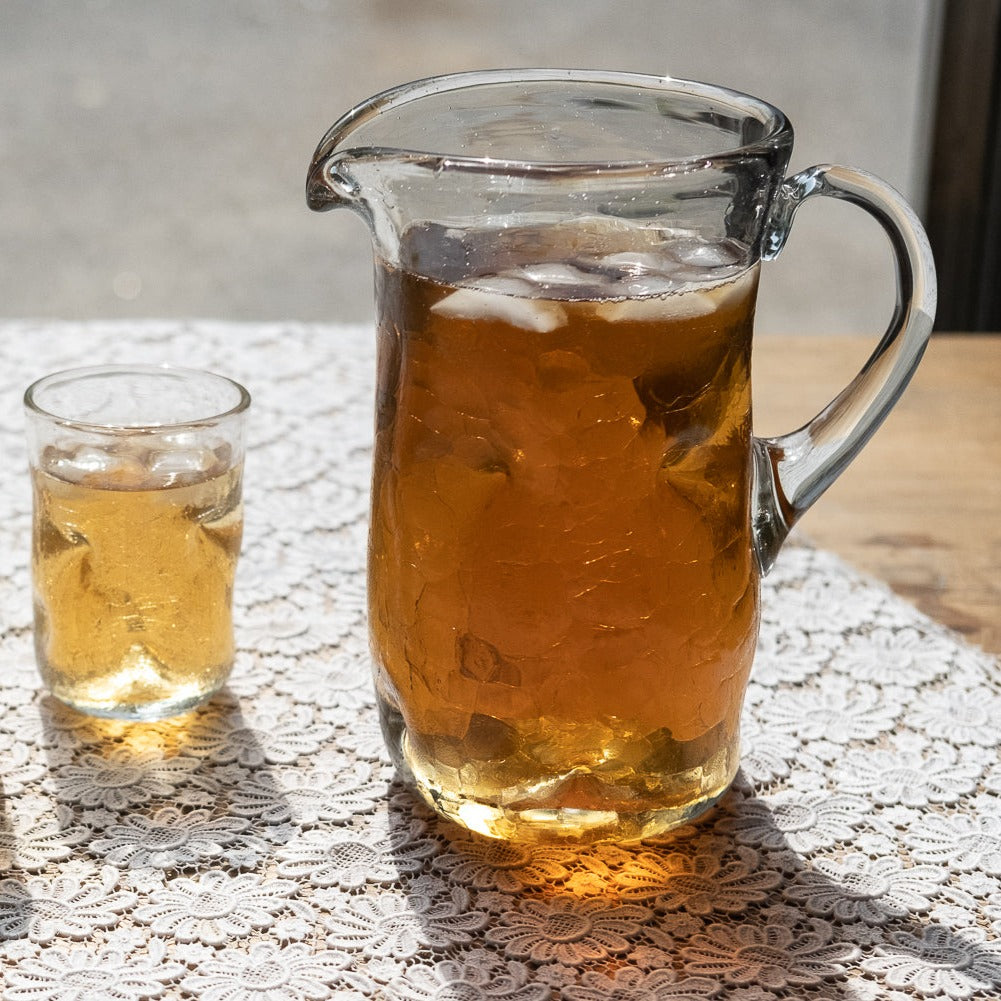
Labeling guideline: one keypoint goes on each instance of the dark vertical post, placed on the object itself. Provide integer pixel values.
(964, 203)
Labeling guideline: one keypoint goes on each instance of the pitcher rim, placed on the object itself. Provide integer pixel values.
(777, 128)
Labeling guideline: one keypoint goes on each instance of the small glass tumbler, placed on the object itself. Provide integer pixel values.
(137, 521)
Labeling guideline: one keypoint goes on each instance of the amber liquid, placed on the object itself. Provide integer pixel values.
(133, 588)
(563, 595)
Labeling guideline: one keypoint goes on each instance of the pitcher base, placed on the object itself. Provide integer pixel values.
(579, 805)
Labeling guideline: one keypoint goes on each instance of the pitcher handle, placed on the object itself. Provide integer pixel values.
(793, 470)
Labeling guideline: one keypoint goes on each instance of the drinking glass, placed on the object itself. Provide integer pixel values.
(136, 475)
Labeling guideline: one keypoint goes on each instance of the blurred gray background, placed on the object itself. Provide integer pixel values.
(153, 154)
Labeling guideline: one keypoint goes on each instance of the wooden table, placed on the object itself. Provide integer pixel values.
(921, 507)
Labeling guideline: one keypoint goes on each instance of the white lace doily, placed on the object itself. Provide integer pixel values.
(260, 848)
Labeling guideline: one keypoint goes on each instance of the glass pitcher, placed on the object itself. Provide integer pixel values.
(570, 513)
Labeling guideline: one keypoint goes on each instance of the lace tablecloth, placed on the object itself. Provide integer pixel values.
(261, 849)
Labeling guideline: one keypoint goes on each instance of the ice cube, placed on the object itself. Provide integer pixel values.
(180, 439)
(92, 464)
(637, 263)
(705, 254)
(648, 285)
(539, 315)
(507, 283)
(676, 306)
(181, 465)
(557, 274)
(80, 461)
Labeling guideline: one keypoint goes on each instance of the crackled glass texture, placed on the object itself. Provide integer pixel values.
(564, 595)
(262, 847)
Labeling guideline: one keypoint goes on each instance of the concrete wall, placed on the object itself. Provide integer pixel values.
(152, 155)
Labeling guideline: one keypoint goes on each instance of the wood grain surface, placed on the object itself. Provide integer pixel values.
(921, 506)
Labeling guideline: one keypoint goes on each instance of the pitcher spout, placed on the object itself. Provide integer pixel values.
(327, 188)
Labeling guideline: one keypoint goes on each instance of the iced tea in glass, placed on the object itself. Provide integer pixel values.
(137, 522)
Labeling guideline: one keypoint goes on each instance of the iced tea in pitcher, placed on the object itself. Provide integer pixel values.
(563, 590)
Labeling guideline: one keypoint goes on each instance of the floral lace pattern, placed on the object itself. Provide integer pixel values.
(261, 848)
